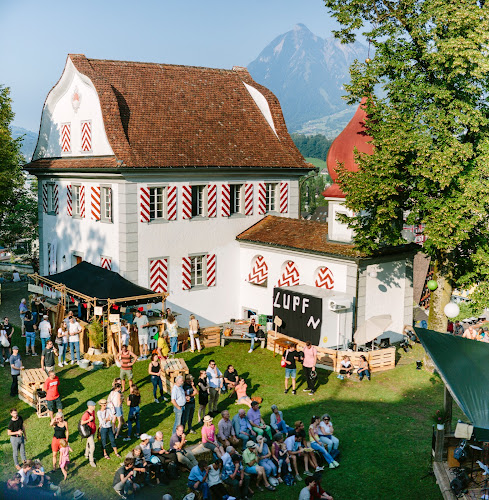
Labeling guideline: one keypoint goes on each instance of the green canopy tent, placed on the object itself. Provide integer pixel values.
(462, 365)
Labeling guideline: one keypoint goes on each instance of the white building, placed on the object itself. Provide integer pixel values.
(152, 171)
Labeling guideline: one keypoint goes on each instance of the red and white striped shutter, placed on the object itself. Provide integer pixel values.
(95, 202)
(82, 201)
(69, 200)
(172, 203)
(106, 263)
(56, 199)
(324, 278)
(248, 199)
(290, 276)
(211, 269)
(211, 200)
(144, 203)
(186, 280)
(45, 198)
(186, 203)
(86, 136)
(158, 275)
(284, 197)
(66, 138)
(226, 200)
(261, 198)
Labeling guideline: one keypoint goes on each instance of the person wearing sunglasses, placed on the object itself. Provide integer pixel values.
(326, 433)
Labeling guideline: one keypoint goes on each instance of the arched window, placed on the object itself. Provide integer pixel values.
(324, 278)
(289, 275)
(259, 271)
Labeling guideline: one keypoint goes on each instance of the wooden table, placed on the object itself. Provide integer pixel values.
(283, 344)
(172, 368)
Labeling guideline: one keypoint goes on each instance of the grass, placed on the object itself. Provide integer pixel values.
(383, 425)
(317, 162)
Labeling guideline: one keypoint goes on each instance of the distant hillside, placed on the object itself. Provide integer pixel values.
(307, 74)
(29, 141)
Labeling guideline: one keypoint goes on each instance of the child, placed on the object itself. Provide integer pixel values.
(64, 457)
(218, 490)
(163, 348)
(279, 453)
(44, 480)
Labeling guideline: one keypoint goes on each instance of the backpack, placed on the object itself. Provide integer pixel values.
(84, 430)
(289, 479)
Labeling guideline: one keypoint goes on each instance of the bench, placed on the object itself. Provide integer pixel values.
(225, 339)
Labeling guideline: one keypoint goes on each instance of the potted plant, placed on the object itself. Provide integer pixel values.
(96, 335)
(440, 418)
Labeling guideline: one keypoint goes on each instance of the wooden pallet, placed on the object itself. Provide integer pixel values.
(29, 382)
(172, 368)
(210, 336)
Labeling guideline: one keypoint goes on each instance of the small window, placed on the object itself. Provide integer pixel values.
(198, 201)
(51, 199)
(271, 196)
(157, 203)
(236, 198)
(197, 277)
(76, 193)
(106, 204)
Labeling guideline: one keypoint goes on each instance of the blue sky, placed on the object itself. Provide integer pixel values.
(36, 36)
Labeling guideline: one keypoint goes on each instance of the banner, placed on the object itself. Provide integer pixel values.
(35, 289)
(301, 315)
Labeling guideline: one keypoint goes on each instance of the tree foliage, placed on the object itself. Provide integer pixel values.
(18, 204)
(312, 146)
(427, 88)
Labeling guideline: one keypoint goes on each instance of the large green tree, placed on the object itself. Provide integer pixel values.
(18, 204)
(427, 90)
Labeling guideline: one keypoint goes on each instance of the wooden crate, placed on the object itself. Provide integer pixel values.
(172, 368)
(210, 336)
(29, 382)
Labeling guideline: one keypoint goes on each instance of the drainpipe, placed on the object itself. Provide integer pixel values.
(308, 176)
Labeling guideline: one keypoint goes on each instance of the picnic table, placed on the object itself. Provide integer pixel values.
(240, 330)
(281, 343)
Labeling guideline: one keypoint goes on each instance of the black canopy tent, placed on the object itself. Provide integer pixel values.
(462, 365)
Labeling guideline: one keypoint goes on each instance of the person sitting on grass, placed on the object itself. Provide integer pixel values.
(279, 453)
(317, 493)
(123, 482)
(240, 389)
(277, 422)
(256, 420)
(230, 378)
(233, 475)
(44, 480)
(363, 369)
(346, 368)
(141, 469)
(197, 479)
(265, 460)
(326, 430)
(250, 461)
(309, 492)
(296, 450)
(216, 486)
(209, 437)
(316, 444)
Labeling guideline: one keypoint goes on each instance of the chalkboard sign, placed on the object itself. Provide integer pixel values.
(302, 314)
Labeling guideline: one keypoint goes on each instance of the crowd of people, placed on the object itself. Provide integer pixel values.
(245, 451)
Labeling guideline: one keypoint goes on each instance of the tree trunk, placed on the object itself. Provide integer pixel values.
(439, 298)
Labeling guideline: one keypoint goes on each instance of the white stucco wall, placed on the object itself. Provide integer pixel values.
(260, 298)
(59, 109)
(337, 231)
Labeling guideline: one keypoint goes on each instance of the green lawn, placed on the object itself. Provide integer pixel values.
(383, 425)
(317, 162)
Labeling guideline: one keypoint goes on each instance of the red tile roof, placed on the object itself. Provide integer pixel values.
(96, 162)
(160, 115)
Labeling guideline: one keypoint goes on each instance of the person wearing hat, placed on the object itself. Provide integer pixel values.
(209, 437)
(277, 422)
(15, 368)
(251, 467)
(88, 419)
(44, 331)
(105, 417)
(256, 420)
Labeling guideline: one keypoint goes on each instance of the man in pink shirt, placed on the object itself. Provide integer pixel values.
(309, 360)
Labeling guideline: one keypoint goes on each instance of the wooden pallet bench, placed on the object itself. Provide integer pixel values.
(172, 368)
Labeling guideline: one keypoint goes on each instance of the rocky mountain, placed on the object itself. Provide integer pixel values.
(307, 74)
(28, 143)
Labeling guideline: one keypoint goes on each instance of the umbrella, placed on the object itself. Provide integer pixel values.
(372, 328)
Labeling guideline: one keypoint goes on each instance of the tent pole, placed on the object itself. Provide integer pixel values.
(109, 344)
(448, 407)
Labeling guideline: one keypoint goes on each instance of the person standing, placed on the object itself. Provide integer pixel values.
(51, 387)
(114, 402)
(62, 342)
(203, 384)
(290, 356)
(214, 376)
(48, 359)
(44, 331)
(309, 364)
(190, 393)
(16, 431)
(9, 331)
(193, 331)
(105, 418)
(126, 358)
(22, 312)
(154, 370)
(133, 401)
(30, 333)
(178, 401)
(142, 323)
(88, 418)
(74, 330)
(172, 328)
(60, 432)
(15, 367)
